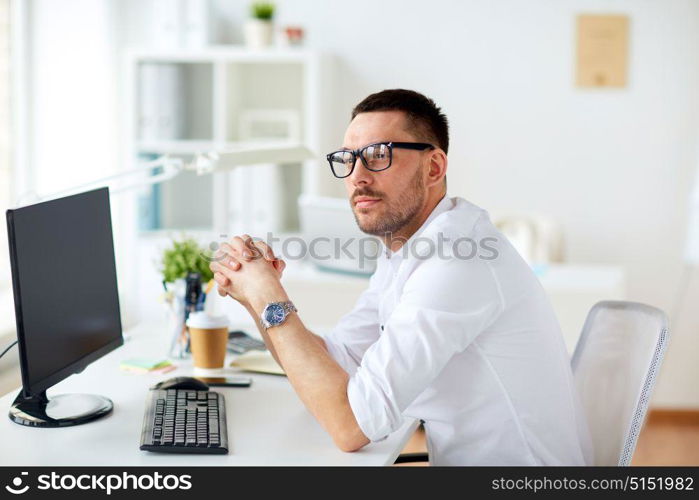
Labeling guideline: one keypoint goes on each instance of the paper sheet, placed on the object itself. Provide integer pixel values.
(259, 362)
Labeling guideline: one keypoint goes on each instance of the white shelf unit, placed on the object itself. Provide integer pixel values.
(219, 93)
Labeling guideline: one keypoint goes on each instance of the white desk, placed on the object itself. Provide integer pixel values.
(574, 288)
(267, 423)
(322, 298)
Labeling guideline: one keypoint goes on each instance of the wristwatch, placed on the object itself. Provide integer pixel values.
(275, 313)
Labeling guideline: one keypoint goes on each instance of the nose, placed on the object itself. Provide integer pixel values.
(360, 175)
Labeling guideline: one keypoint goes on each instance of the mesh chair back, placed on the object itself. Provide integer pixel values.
(614, 365)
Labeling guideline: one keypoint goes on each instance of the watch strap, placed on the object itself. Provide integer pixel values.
(288, 307)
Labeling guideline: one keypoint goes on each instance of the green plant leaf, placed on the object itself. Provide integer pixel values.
(262, 10)
(183, 257)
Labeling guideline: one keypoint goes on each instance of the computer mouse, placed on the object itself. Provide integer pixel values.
(190, 383)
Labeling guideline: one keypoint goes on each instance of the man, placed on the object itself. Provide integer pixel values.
(464, 340)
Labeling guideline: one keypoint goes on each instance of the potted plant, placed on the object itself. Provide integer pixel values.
(186, 279)
(259, 30)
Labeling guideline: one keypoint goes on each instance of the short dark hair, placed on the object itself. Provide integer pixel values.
(425, 118)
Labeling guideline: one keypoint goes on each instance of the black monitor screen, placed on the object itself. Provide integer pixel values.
(65, 286)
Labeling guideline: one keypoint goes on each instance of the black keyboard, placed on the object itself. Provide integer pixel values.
(185, 421)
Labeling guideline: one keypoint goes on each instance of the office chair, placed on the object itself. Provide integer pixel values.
(420, 456)
(614, 367)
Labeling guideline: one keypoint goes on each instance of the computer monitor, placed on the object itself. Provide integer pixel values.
(331, 226)
(66, 303)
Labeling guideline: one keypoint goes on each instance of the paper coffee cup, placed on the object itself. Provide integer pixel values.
(209, 338)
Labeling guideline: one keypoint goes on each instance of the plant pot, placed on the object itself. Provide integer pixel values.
(258, 33)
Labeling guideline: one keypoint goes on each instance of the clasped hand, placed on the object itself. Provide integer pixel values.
(246, 269)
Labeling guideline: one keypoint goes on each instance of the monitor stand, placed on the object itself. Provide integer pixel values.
(59, 411)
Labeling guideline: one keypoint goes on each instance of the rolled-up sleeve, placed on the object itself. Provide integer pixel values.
(442, 309)
(356, 331)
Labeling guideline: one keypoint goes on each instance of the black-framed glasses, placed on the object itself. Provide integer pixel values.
(375, 157)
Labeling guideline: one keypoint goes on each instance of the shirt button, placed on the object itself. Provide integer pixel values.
(382, 328)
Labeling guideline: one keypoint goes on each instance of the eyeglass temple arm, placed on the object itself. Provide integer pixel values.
(411, 145)
(419, 146)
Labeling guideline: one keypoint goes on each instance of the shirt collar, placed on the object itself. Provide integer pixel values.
(444, 204)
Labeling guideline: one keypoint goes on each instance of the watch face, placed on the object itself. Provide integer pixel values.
(274, 314)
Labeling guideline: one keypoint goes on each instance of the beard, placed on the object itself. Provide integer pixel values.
(397, 214)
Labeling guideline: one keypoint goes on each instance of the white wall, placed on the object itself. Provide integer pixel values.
(613, 165)
(73, 123)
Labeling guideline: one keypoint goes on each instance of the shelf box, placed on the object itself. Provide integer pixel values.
(174, 101)
(262, 90)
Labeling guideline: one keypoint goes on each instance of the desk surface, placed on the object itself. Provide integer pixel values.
(267, 423)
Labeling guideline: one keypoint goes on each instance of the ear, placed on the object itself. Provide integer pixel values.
(437, 167)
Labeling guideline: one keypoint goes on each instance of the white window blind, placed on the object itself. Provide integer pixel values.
(5, 137)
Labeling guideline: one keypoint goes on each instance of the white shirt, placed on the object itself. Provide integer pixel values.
(471, 346)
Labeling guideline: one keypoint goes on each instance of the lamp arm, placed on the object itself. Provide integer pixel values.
(171, 167)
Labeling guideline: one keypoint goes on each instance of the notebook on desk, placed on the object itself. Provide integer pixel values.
(258, 362)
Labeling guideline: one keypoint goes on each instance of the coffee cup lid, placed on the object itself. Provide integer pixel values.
(200, 319)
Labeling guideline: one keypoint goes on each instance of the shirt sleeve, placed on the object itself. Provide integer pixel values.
(356, 330)
(443, 308)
